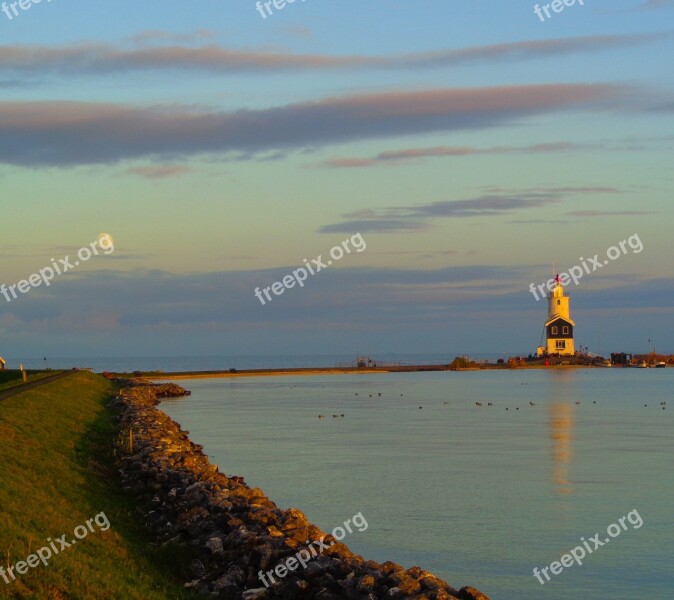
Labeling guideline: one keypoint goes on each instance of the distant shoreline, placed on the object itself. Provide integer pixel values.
(153, 375)
(232, 373)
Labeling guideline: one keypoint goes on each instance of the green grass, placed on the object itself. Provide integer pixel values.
(56, 471)
(10, 379)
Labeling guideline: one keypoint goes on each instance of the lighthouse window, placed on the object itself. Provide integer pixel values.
(560, 344)
(559, 302)
(554, 330)
(565, 329)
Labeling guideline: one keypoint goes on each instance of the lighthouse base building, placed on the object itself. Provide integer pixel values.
(558, 325)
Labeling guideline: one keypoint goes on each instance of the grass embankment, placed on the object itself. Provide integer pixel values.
(57, 471)
(10, 379)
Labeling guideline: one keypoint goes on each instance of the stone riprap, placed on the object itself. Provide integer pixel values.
(234, 530)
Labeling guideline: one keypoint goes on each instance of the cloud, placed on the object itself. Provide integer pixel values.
(415, 154)
(588, 189)
(70, 133)
(375, 225)
(653, 5)
(148, 297)
(418, 217)
(141, 301)
(96, 58)
(537, 222)
(351, 163)
(159, 172)
(607, 213)
(480, 307)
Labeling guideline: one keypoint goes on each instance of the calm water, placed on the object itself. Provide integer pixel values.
(479, 496)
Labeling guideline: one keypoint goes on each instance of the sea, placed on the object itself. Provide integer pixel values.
(479, 476)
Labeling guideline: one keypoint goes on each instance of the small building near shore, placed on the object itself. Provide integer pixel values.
(3, 362)
(558, 325)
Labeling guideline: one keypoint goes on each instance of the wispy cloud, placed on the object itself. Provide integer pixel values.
(97, 58)
(376, 226)
(159, 172)
(608, 213)
(653, 5)
(421, 216)
(415, 154)
(72, 133)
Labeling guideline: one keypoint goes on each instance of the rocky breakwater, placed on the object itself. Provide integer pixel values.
(235, 530)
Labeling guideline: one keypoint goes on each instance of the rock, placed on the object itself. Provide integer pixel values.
(405, 582)
(366, 583)
(431, 582)
(197, 567)
(443, 595)
(215, 545)
(328, 595)
(313, 570)
(256, 594)
(470, 593)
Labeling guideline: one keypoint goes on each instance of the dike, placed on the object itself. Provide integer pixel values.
(234, 530)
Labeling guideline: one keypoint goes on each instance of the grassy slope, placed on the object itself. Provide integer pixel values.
(57, 471)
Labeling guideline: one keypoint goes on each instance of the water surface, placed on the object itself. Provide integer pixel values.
(478, 495)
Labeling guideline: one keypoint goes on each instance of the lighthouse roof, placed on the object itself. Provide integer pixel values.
(554, 318)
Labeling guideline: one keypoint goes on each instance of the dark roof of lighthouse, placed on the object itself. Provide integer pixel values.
(556, 318)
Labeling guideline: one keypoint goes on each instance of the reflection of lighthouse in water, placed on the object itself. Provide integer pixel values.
(561, 434)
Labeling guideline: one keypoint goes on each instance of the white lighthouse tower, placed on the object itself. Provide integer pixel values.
(558, 325)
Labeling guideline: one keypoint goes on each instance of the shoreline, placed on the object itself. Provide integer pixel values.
(236, 531)
(225, 374)
(231, 373)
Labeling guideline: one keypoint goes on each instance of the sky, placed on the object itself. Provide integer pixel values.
(475, 148)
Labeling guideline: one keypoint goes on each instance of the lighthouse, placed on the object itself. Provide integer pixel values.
(558, 325)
